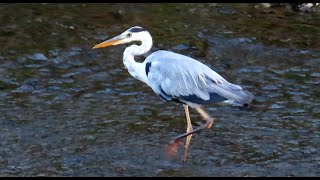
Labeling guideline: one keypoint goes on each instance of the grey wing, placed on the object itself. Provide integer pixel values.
(177, 77)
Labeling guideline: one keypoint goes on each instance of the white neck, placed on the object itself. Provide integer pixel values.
(137, 69)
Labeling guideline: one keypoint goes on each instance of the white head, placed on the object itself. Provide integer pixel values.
(135, 33)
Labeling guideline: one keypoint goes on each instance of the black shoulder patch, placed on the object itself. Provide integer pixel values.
(136, 29)
(148, 65)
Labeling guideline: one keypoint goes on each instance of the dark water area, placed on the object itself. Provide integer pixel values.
(70, 110)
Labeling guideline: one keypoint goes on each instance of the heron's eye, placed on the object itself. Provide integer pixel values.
(129, 34)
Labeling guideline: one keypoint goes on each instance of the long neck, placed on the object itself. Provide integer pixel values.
(137, 69)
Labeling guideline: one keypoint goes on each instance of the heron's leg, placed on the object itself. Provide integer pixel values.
(189, 129)
(206, 117)
(209, 121)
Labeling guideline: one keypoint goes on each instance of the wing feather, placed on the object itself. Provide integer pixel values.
(175, 76)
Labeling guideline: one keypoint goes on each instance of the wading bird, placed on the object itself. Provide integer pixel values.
(179, 78)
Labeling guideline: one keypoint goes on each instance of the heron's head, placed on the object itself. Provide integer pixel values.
(135, 33)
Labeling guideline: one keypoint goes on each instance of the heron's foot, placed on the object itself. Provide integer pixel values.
(173, 146)
(210, 122)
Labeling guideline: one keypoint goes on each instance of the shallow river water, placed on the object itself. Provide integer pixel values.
(69, 110)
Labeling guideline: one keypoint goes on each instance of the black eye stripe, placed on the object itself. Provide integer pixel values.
(136, 29)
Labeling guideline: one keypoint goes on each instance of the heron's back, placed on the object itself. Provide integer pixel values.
(180, 78)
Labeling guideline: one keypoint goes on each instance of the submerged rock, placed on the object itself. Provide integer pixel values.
(37, 57)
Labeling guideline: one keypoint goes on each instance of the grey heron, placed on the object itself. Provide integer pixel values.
(179, 78)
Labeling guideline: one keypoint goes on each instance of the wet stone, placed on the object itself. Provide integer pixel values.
(276, 106)
(31, 81)
(100, 76)
(63, 66)
(75, 49)
(226, 10)
(37, 57)
(4, 95)
(34, 65)
(57, 60)
(12, 52)
(254, 69)
(9, 82)
(261, 98)
(54, 81)
(88, 95)
(270, 87)
(315, 74)
(89, 138)
(21, 59)
(55, 52)
(313, 62)
(67, 80)
(23, 89)
(107, 91)
(39, 91)
(70, 75)
(69, 53)
(54, 88)
(241, 40)
(62, 97)
(44, 70)
(101, 37)
(299, 69)
(309, 150)
(294, 142)
(35, 148)
(180, 47)
(76, 62)
(274, 95)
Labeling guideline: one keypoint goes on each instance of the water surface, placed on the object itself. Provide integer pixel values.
(68, 110)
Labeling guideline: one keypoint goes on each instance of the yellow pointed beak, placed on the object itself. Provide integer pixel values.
(113, 41)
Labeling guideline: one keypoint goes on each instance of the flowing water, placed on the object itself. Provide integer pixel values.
(69, 110)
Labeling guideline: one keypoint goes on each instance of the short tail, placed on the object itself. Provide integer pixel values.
(246, 98)
(233, 93)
